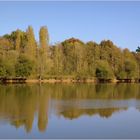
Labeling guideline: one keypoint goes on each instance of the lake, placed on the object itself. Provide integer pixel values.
(70, 111)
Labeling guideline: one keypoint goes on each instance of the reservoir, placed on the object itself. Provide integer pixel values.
(70, 111)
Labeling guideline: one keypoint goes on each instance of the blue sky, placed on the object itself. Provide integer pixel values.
(117, 21)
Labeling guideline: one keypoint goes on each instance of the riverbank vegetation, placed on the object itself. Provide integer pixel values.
(22, 56)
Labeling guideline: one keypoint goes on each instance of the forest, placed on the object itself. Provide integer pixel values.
(21, 55)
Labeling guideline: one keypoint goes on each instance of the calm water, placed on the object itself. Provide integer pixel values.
(70, 111)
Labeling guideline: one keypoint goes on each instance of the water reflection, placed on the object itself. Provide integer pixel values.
(20, 104)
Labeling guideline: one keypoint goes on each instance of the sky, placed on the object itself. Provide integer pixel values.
(88, 21)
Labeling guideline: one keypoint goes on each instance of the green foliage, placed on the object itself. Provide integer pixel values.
(91, 57)
(23, 66)
(57, 55)
(122, 75)
(137, 56)
(44, 37)
(131, 69)
(7, 63)
(31, 45)
(138, 49)
(103, 70)
(2, 71)
(22, 56)
(43, 59)
(17, 40)
(73, 55)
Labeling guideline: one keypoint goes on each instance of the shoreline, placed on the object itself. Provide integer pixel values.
(68, 80)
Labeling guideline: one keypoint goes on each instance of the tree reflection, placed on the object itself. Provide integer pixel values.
(20, 104)
(105, 112)
(43, 109)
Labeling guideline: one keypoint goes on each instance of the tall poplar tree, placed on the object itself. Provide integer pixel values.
(18, 40)
(43, 53)
(31, 45)
(44, 37)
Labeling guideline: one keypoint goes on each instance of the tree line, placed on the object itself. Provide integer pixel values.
(21, 55)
